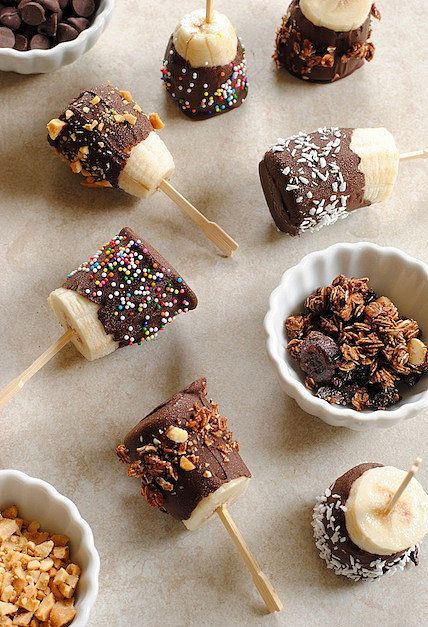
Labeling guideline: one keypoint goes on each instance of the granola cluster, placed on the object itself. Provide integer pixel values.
(175, 449)
(37, 580)
(354, 346)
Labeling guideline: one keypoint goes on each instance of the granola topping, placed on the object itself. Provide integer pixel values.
(377, 348)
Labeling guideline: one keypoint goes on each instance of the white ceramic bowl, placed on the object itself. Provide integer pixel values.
(38, 500)
(42, 61)
(392, 273)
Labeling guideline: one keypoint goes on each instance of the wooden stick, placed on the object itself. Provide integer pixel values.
(263, 585)
(220, 238)
(407, 479)
(209, 11)
(416, 154)
(14, 386)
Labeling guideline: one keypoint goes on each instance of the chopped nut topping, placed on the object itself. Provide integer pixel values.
(186, 464)
(33, 586)
(55, 127)
(68, 114)
(176, 434)
(126, 95)
(155, 121)
(417, 352)
(95, 100)
(119, 118)
(129, 117)
(137, 108)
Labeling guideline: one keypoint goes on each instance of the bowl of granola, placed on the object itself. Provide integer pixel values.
(345, 331)
(49, 565)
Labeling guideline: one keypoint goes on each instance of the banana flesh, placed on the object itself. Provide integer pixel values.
(337, 15)
(81, 315)
(379, 161)
(148, 163)
(228, 493)
(205, 44)
(367, 524)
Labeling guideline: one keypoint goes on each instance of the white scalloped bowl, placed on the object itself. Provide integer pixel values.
(43, 61)
(392, 273)
(38, 500)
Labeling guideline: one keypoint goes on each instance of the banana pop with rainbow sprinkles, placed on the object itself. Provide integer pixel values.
(125, 294)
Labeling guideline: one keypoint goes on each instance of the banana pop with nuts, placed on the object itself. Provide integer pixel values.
(311, 180)
(125, 294)
(185, 456)
(357, 536)
(325, 40)
(204, 68)
(106, 137)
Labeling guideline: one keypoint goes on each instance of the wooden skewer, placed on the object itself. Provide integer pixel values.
(416, 154)
(213, 231)
(14, 386)
(263, 585)
(209, 11)
(407, 479)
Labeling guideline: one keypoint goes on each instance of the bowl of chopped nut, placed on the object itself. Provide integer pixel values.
(345, 331)
(53, 577)
(44, 35)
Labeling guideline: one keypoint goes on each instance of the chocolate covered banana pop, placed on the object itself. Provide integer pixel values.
(312, 180)
(190, 467)
(325, 40)
(125, 294)
(204, 68)
(106, 138)
(357, 536)
(186, 458)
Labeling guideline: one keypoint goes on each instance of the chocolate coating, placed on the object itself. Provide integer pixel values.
(102, 163)
(346, 557)
(132, 311)
(205, 91)
(212, 451)
(312, 180)
(319, 54)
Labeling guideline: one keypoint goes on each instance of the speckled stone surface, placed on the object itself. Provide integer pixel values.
(64, 425)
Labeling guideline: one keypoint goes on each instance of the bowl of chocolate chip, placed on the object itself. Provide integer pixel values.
(39, 36)
(347, 331)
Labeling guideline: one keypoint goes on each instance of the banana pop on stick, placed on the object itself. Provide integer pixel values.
(204, 68)
(125, 294)
(311, 180)
(325, 40)
(370, 522)
(190, 467)
(105, 137)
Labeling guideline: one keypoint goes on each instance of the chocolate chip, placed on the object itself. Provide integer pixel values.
(7, 38)
(84, 8)
(9, 17)
(39, 42)
(51, 5)
(33, 13)
(66, 32)
(49, 27)
(63, 3)
(79, 23)
(21, 43)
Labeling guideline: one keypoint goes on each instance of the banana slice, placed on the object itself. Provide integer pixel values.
(380, 157)
(367, 525)
(80, 314)
(337, 15)
(148, 163)
(205, 44)
(228, 493)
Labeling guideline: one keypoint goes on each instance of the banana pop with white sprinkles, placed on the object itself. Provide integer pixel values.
(125, 294)
(105, 137)
(311, 180)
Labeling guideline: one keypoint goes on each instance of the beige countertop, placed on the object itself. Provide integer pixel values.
(65, 423)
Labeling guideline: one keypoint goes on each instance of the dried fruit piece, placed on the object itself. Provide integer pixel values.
(318, 355)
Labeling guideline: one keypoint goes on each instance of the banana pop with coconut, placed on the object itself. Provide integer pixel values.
(204, 69)
(325, 40)
(358, 535)
(311, 180)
